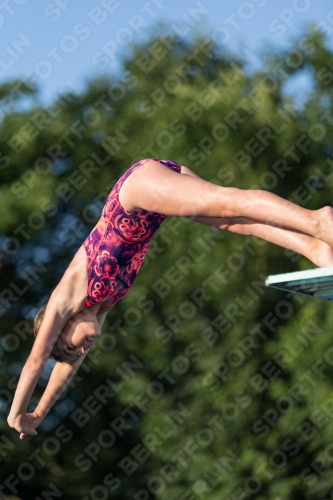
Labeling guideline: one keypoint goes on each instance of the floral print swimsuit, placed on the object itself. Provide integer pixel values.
(118, 245)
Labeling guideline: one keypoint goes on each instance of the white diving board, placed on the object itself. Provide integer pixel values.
(317, 283)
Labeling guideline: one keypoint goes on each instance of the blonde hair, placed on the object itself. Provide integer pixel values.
(39, 319)
(37, 324)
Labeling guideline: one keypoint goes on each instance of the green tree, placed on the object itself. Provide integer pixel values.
(204, 383)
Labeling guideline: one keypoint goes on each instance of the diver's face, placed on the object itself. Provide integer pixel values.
(77, 337)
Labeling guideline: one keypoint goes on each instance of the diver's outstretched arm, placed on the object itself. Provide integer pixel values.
(61, 376)
(58, 312)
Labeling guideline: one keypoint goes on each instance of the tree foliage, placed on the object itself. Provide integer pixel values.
(204, 384)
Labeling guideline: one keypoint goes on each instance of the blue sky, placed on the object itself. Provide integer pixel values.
(61, 43)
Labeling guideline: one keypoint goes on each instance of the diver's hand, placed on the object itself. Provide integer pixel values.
(25, 423)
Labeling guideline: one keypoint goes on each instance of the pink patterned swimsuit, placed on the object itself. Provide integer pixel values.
(118, 245)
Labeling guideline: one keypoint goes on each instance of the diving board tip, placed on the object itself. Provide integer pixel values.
(317, 283)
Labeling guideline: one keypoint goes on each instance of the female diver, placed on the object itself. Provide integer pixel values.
(107, 263)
